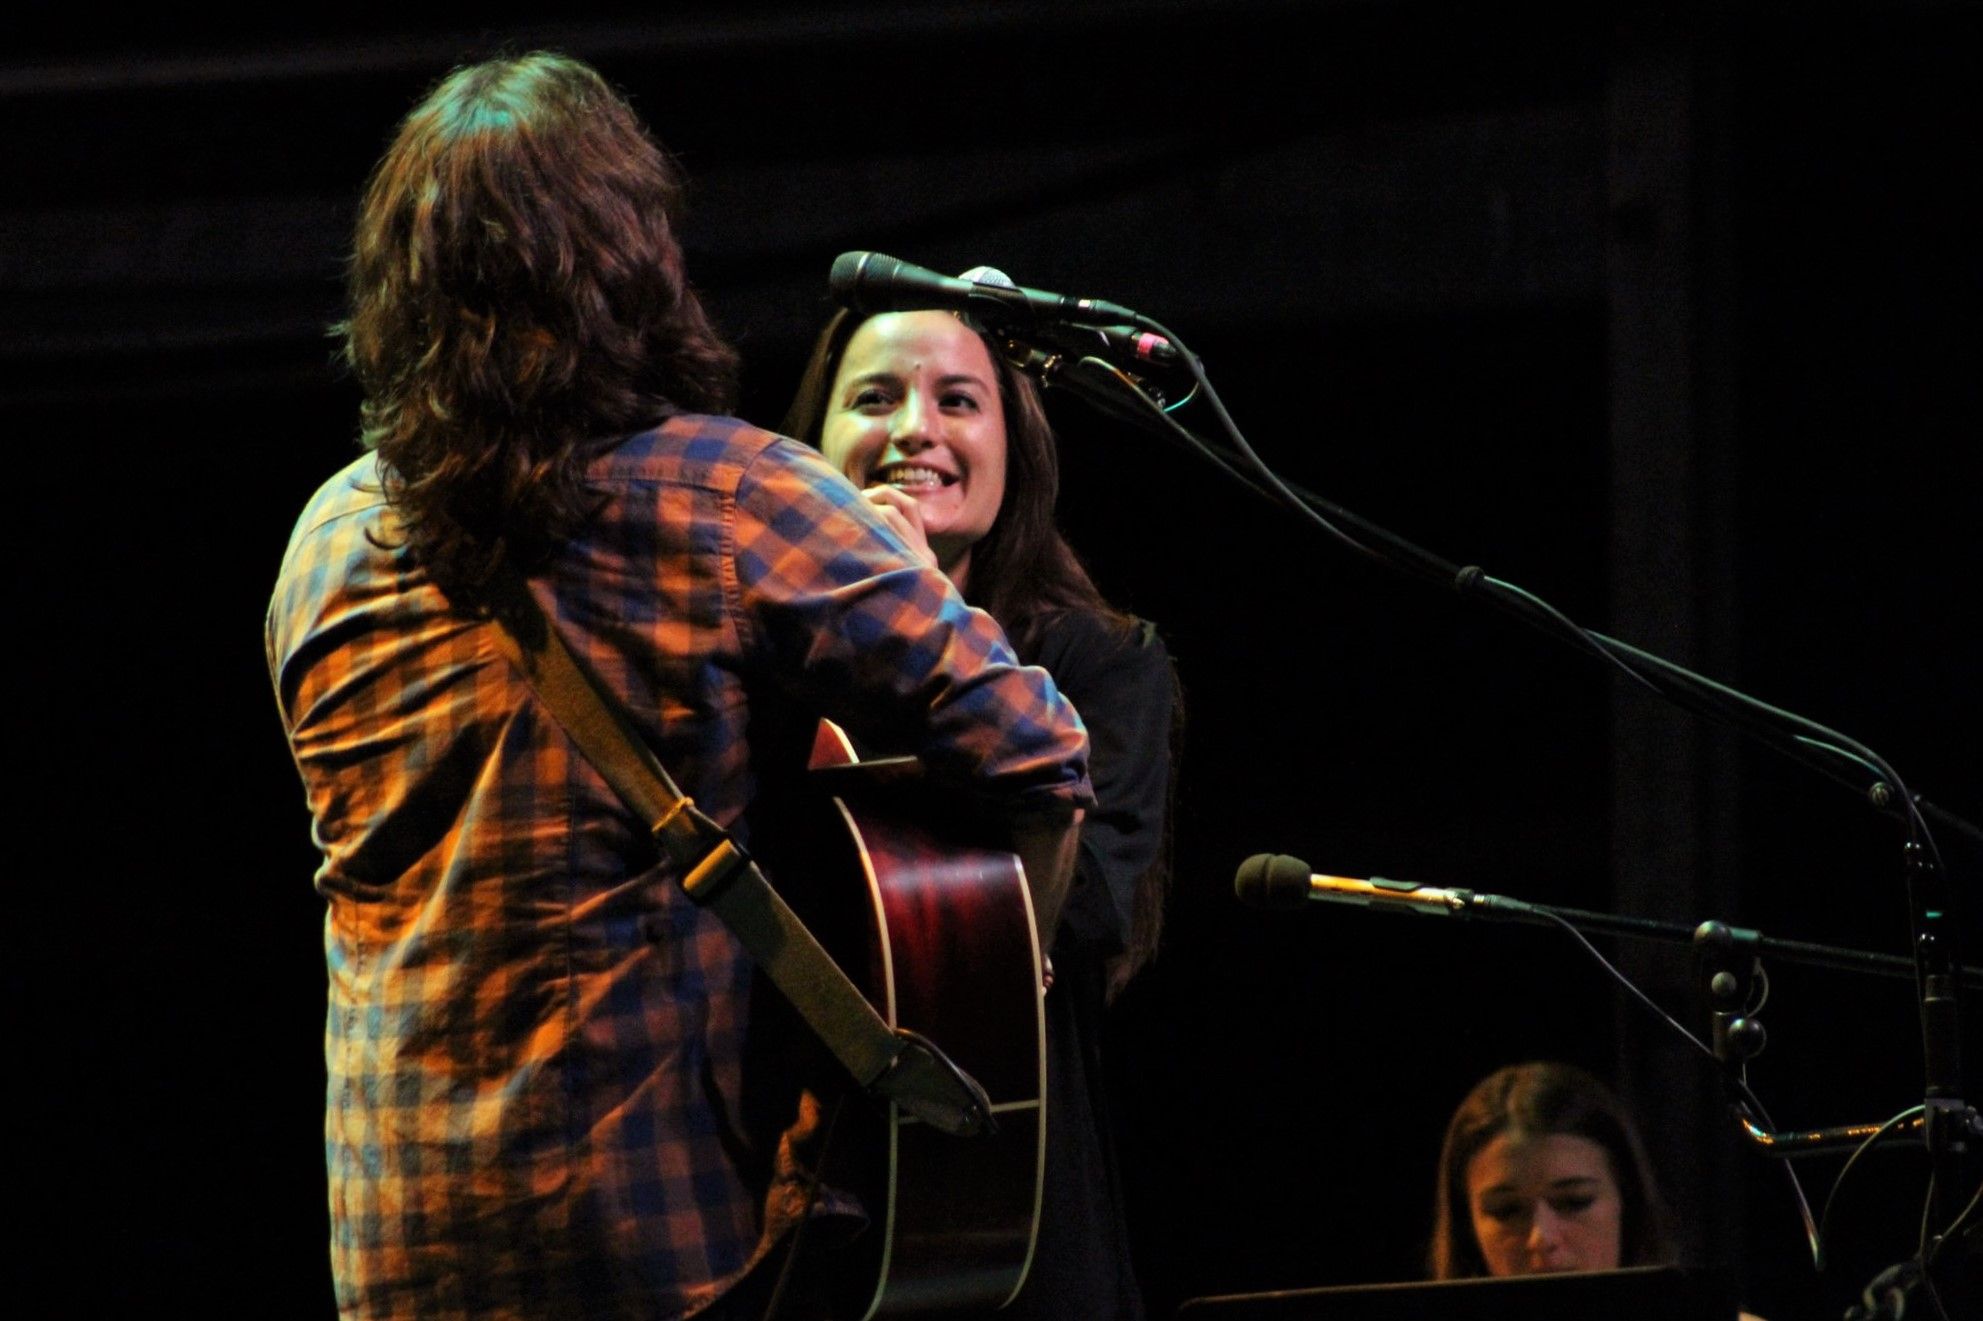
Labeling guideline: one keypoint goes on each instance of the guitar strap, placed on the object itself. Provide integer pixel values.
(893, 1064)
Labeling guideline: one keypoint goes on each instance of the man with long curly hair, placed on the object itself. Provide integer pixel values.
(537, 1100)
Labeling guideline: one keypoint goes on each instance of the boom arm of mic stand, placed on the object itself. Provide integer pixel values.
(1106, 389)
(1717, 938)
(1112, 391)
(1931, 902)
(1826, 1141)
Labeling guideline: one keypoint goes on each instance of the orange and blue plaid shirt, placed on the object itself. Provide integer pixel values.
(534, 1040)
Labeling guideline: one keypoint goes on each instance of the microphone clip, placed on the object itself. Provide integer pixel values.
(1122, 391)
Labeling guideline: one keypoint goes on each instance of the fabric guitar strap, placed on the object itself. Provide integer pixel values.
(892, 1064)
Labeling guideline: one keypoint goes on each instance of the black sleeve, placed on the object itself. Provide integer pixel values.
(1121, 683)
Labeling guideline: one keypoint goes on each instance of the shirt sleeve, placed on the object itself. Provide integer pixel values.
(851, 622)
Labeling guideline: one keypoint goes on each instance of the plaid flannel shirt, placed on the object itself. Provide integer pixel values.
(533, 1037)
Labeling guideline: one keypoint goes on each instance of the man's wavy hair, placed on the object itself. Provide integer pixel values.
(1537, 1099)
(517, 303)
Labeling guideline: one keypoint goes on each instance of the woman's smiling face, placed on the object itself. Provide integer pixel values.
(915, 405)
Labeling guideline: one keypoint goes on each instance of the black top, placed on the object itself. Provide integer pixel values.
(1121, 682)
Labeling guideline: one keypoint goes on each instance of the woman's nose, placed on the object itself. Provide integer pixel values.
(909, 429)
(1545, 1232)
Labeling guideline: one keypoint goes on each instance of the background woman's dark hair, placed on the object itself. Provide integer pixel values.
(517, 298)
(1023, 572)
(1537, 1099)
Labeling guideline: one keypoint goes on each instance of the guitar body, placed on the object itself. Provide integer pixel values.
(948, 950)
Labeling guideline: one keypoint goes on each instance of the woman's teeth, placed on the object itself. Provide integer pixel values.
(910, 476)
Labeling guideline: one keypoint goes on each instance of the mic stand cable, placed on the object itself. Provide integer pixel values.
(1931, 901)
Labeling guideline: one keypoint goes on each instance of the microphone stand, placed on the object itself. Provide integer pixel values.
(1730, 961)
(1949, 1121)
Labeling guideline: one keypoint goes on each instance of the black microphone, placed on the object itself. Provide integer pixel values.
(870, 282)
(1279, 881)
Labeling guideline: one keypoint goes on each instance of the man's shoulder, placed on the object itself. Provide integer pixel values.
(700, 449)
(341, 526)
(355, 489)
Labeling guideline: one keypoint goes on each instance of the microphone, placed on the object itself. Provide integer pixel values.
(1113, 344)
(870, 282)
(1279, 881)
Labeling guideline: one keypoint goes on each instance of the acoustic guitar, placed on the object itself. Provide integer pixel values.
(947, 947)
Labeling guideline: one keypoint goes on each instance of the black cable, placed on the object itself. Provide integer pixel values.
(1814, 1229)
(1934, 1294)
(1257, 475)
(1577, 633)
(1838, 1182)
(1741, 1085)
(1771, 725)
(1955, 1226)
(1885, 1297)
(1628, 984)
(1734, 705)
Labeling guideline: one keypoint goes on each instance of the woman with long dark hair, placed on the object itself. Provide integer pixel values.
(1542, 1170)
(951, 444)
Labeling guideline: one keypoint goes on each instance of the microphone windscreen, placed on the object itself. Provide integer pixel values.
(1272, 880)
(990, 276)
(845, 278)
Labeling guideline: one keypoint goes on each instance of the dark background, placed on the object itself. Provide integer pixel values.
(1666, 313)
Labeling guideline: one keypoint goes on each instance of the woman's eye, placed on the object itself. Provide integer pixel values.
(868, 398)
(1570, 1205)
(966, 402)
(1501, 1213)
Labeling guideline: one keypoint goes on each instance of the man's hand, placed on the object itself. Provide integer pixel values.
(900, 511)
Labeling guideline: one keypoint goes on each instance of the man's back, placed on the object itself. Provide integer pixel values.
(534, 1039)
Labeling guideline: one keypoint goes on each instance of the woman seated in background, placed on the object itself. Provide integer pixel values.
(950, 442)
(1542, 1170)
